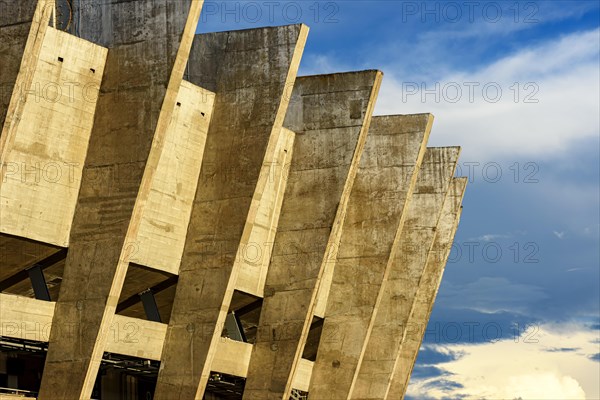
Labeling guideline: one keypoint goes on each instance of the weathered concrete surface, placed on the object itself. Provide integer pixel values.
(385, 181)
(428, 288)
(45, 160)
(148, 50)
(249, 71)
(399, 290)
(330, 115)
(31, 319)
(22, 28)
(165, 218)
(254, 260)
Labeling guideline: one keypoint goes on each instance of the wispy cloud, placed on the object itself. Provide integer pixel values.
(489, 237)
(559, 235)
(490, 294)
(563, 349)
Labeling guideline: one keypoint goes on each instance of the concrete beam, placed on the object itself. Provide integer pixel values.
(385, 181)
(427, 290)
(330, 115)
(45, 160)
(30, 319)
(25, 318)
(249, 71)
(163, 228)
(137, 100)
(410, 256)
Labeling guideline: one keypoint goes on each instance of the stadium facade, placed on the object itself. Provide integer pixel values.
(182, 216)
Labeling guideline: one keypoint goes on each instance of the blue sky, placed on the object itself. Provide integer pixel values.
(516, 84)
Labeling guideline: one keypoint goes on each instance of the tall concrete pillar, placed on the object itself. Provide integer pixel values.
(251, 72)
(385, 181)
(148, 45)
(427, 289)
(407, 268)
(330, 115)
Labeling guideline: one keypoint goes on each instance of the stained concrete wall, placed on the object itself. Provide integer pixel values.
(165, 218)
(406, 271)
(250, 105)
(143, 180)
(427, 289)
(144, 68)
(386, 178)
(330, 115)
(46, 156)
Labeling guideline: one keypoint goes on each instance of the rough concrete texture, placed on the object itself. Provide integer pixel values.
(45, 159)
(330, 115)
(406, 270)
(165, 218)
(22, 29)
(250, 106)
(195, 178)
(143, 74)
(427, 289)
(254, 259)
(386, 178)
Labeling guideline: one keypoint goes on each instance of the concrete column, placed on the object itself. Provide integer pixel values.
(385, 182)
(410, 256)
(330, 115)
(148, 45)
(254, 263)
(250, 72)
(428, 288)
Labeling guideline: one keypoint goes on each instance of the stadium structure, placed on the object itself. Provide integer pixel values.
(182, 216)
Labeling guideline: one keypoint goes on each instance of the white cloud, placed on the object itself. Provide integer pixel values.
(545, 385)
(526, 368)
(562, 75)
(490, 237)
(559, 235)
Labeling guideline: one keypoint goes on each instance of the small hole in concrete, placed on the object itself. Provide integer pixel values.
(178, 104)
(202, 113)
(93, 70)
(60, 59)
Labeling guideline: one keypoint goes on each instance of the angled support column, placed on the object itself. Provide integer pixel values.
(23, 25)
(410, 256)
(255, 261)
(134, 109)
(330, 115)
(38, 283)
(376, 211)
(249, 71)
(428, 288)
